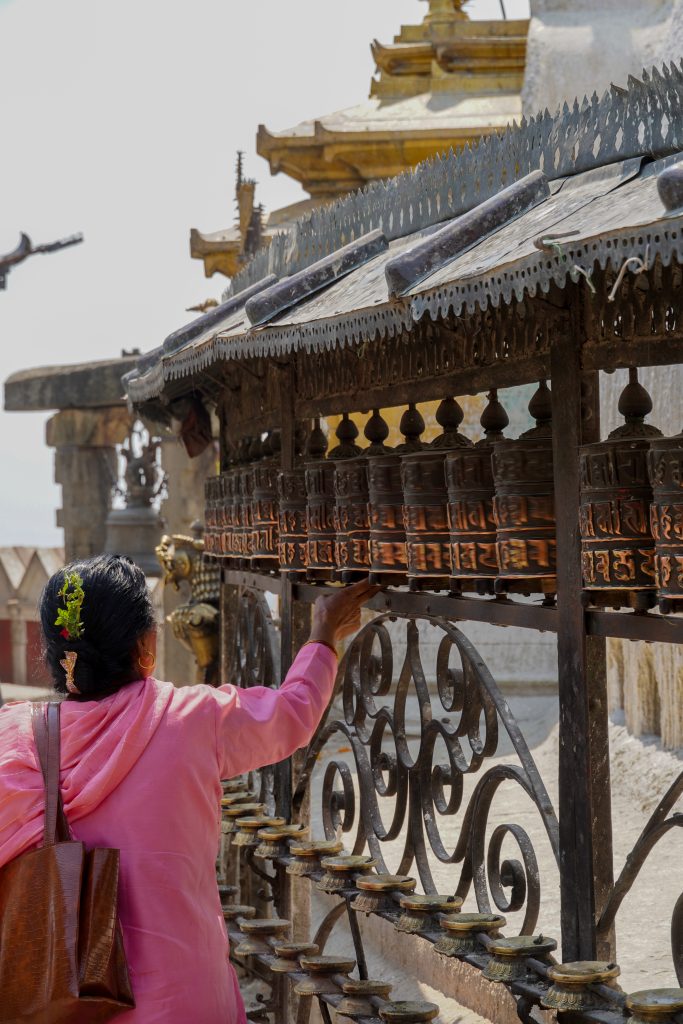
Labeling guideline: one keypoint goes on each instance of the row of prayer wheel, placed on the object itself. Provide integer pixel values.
(631, 515)
(447, 514)
(453, 514)
(460, 515)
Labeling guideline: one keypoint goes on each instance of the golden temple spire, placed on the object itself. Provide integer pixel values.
(438, 86)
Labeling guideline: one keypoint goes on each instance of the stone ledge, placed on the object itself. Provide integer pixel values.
(79, 386)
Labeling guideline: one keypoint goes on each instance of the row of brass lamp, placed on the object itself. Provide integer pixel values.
(325, 977)
(448, 514)
(576, 987)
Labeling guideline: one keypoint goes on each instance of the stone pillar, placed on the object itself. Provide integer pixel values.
(646, 681)
(668, 671)
(86, 468)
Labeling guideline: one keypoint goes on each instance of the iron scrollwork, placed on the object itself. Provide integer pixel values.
(256, 662)
(463, 717)
(256, 651)
(662, 820)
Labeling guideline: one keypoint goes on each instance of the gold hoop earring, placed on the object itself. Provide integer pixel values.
(147, 668)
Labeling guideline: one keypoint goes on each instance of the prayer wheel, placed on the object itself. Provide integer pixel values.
(320, 504)
(244, 490)
(350, 515)
(665, 467)
(471, 520)
(524, 505)
(227, 516)
(617, 546)
(264, 555)
(291, 494)
(351, 489)
(292, 548)
(425, 503)
(388, 552)
(351, 524)
(212, 487)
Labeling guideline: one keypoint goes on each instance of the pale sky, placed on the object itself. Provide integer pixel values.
(121, 120)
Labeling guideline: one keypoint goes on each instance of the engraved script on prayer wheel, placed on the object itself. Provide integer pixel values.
(425, 501)
(388, 553)
(524, 505)
(469, 478)
(665, 465)
(352, 523)
(319, 473)
(617, 546)
(264, 507)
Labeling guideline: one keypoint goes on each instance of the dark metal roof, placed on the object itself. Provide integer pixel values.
(603, 206)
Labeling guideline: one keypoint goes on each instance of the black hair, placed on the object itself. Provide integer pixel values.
(116, 612)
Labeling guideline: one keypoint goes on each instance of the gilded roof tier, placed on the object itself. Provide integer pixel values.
(439, 85)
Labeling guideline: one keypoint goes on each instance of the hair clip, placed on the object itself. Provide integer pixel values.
(68, 663)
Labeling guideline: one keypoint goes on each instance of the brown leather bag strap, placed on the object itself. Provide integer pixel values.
(45, 718)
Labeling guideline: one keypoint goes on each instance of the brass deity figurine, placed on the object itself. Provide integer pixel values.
(194, 623)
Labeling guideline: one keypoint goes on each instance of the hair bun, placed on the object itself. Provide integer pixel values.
(116, 611)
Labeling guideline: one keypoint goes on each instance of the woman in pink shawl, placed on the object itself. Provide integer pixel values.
(141, 764)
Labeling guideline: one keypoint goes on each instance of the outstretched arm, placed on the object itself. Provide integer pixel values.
(259, 726)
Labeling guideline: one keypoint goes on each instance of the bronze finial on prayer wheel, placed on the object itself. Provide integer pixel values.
(524, 505)
(425, 502)
(471, 520)
(617, 546)
(665, 468)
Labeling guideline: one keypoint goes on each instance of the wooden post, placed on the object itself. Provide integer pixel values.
(295, 618)
(586, 868)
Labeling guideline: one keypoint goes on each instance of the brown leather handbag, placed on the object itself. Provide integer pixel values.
(61, 953)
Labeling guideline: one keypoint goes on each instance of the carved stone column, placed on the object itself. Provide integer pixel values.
(86, 468)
